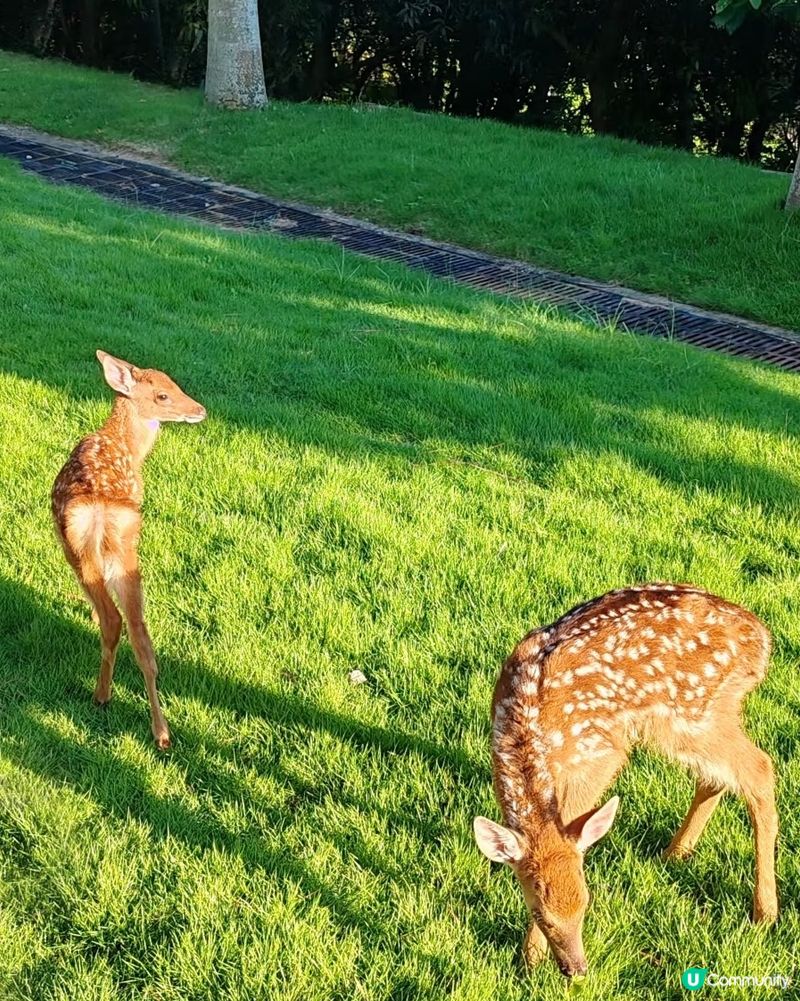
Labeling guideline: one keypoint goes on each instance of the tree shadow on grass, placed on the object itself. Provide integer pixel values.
(348, 366)
(36, 678)
(349, 363)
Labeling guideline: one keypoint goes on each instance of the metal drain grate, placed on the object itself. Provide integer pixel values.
(155, 187)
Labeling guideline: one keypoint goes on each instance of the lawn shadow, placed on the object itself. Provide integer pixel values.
(361, 359)
(35, 679)
(347, 368)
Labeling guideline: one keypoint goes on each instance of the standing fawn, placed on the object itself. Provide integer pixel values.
(96, 508)
(665, 665)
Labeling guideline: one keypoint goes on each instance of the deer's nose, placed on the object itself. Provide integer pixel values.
(197, 415)
(575, 970)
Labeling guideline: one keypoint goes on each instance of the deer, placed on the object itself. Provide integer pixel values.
(96, 507)
(663, 665)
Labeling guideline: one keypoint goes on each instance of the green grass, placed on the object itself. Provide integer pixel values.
(707, 231)
(397, 476)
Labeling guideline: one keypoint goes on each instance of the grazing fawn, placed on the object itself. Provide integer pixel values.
(665, 665)
(96, 508)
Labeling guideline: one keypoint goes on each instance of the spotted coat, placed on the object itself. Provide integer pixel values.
(642, 664)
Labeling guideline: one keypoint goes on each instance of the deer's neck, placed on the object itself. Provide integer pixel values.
(527, 799)
(130, 431)
(539, 816)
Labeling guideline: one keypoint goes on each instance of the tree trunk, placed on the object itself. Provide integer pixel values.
(465, 96)
(151, 19)
(43, 30)
(601, 64)
(684, 126)
(323, 62)
(90, 16)
(793, 198)
(730, 143)
(755, 141)
(600, 90)
(234, 68)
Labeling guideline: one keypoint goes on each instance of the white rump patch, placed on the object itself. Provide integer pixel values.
(84, 528)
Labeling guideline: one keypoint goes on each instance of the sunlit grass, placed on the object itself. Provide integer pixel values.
(708, 231)
(395, 476)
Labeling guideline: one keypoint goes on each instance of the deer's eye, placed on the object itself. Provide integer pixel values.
(162, 397)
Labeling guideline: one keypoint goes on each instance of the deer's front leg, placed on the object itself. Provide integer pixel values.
(534, 948)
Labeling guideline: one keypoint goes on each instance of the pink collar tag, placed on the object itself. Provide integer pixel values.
(153, 424)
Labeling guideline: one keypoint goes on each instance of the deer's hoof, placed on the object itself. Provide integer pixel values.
(101, 699)
(765, 915)
(677, 852)
(533, 953)
(163, 742)
(531, 958)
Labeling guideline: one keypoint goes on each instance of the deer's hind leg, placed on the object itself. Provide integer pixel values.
(727, 759)
(756, 781)
(128, 587)
(110, 622)
(82, 548)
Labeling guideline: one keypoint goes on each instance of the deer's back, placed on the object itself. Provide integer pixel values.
(649, 662)
(99, 470)
(644, 640)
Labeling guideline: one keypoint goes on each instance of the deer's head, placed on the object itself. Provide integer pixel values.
(154, 395)
(549, 866)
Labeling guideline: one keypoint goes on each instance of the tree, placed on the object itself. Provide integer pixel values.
(731, 14)
(234, 67)
(660, 72)
(793, 198)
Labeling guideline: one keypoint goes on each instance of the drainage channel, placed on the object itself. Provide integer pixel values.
(152, 186)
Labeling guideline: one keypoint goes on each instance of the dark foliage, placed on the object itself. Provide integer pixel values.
(660, 71)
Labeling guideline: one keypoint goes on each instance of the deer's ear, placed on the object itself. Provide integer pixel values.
(497, 843)
(590, 827)
(119, 374)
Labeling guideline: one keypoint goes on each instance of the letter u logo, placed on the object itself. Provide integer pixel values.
(694, 978)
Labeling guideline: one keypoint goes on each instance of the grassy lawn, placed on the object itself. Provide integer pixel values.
(707, 231)
(397, 476)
